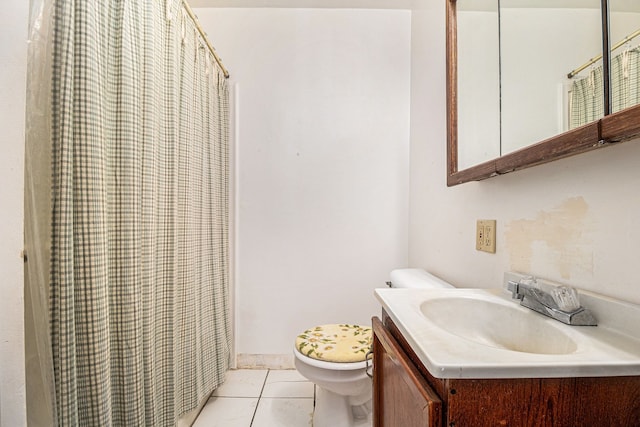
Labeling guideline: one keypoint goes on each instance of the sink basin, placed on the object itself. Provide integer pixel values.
(498, 325)
(483, 333)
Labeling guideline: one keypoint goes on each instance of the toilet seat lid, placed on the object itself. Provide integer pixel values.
(335, 342)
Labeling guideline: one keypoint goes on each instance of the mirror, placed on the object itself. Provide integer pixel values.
(478, 81)
(543, 114)
(540, 43)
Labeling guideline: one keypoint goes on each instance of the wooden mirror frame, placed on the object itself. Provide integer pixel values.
(612, 128)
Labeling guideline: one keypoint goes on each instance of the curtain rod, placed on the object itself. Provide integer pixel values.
(597, 58)
(205, 38)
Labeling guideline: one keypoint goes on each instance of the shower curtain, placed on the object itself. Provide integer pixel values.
(625, 79)
(587, 99)
(138, 296)
(587, 93)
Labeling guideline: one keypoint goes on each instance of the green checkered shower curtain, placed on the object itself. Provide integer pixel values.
(587, 94)
(587, 99)
(139, 274)
(625, 79)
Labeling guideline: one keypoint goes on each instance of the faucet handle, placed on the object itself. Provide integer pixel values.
(529, 281)
(566, 298)
(514, 288)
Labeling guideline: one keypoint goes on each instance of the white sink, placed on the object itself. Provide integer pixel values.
(497, 325)
(483, 333)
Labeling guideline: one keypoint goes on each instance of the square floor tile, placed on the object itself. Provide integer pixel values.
(242, 383)
(281, 412)
(227, 412)
(287, 383)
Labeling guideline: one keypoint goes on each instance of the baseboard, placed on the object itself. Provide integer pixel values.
(264, 361)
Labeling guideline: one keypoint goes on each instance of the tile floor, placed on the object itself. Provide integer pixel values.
(260, 398)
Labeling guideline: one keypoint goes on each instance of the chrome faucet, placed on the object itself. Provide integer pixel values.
(561, 304)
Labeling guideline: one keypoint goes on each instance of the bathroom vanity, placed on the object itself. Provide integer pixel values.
(498, 386)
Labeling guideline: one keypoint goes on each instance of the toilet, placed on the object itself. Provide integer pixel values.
(337, 358)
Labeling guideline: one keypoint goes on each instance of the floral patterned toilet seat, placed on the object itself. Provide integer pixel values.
(340, 343)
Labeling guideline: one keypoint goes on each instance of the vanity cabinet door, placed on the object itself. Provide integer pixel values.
(401, 396)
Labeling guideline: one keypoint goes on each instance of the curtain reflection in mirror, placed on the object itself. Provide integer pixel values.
(625, 81)
(587, 96)
(586, 101)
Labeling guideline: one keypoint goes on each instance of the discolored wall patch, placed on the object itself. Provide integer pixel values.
(558, 237)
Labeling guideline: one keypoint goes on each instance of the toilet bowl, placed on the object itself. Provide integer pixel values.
(343, 393)
(346, 379)
(336, 358)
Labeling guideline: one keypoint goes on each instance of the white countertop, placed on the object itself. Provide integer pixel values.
(610, 349)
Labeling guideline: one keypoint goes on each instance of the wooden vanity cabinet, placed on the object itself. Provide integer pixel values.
(407, 395)
(401, 395)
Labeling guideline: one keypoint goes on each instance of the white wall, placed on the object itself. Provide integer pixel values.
(323, 146)
(575, 221)
(13, 57)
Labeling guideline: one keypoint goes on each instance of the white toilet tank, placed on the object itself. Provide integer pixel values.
(416, 278)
